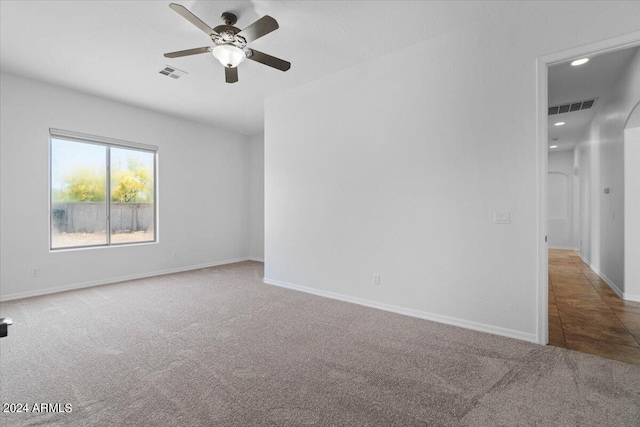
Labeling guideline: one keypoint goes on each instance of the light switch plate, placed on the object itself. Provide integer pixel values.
(501, 217)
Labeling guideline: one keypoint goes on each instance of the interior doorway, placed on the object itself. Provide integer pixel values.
(632, 206)
(563, 219)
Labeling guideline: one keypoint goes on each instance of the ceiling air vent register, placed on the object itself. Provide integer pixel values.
(573, 106)
(172, 72)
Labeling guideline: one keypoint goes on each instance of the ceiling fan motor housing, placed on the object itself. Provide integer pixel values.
(228, 34)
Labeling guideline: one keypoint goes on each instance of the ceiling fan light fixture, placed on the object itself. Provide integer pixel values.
(230, 42)
(229, 55)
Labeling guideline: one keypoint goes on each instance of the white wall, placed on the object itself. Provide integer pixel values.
(560, 196)
(561, 161)
(600, 158)
(203, 174)
(396, 167)
(632, 208)
(256, 197)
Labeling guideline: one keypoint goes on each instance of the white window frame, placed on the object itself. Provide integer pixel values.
(108, 143)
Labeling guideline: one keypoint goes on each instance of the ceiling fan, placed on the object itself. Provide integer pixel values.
(230, 43)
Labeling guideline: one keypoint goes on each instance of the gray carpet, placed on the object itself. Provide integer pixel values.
(217, 347)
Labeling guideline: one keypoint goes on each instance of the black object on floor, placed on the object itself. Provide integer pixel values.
(4, 325)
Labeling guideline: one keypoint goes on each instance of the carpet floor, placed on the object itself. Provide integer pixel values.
(217, 347)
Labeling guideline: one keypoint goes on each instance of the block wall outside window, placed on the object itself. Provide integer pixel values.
(103, 191)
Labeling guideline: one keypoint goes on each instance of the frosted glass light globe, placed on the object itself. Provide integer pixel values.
(229, 55)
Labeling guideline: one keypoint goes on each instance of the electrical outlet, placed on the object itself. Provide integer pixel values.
(376, 279)
(501, 217)
(34, 272)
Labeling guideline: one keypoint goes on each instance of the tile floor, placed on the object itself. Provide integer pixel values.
(586, 315)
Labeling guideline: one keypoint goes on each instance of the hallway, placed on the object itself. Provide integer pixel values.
(586, 315)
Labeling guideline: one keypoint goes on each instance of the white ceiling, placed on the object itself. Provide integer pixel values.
(115, 49)
(569, 84)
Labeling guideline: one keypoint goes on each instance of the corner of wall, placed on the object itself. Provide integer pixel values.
(256, 197)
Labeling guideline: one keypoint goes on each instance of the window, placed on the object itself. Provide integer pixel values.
(103, 191)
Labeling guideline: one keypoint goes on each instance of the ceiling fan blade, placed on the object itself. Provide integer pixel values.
(231, 74)
(261, 27)
(269, 60)
(188, 52)
(192, 18)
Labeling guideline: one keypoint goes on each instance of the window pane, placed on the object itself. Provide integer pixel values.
(78, 194)
(132, 196)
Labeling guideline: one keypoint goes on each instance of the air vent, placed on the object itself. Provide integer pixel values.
(588, 104)
(172, 72)
(571, 107)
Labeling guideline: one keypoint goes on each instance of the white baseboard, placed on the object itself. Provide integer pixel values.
(629, 297)
(467, 324)
(252, 258)
(603, 277)
(92, 283)
(564, 248)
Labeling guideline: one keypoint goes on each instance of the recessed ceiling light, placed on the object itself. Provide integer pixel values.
(559, 124)
(580, 62)
(553, 146)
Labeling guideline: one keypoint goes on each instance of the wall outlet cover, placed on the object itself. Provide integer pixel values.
(502, 217)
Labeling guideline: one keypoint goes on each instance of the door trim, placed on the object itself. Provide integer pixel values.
(542, 64)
